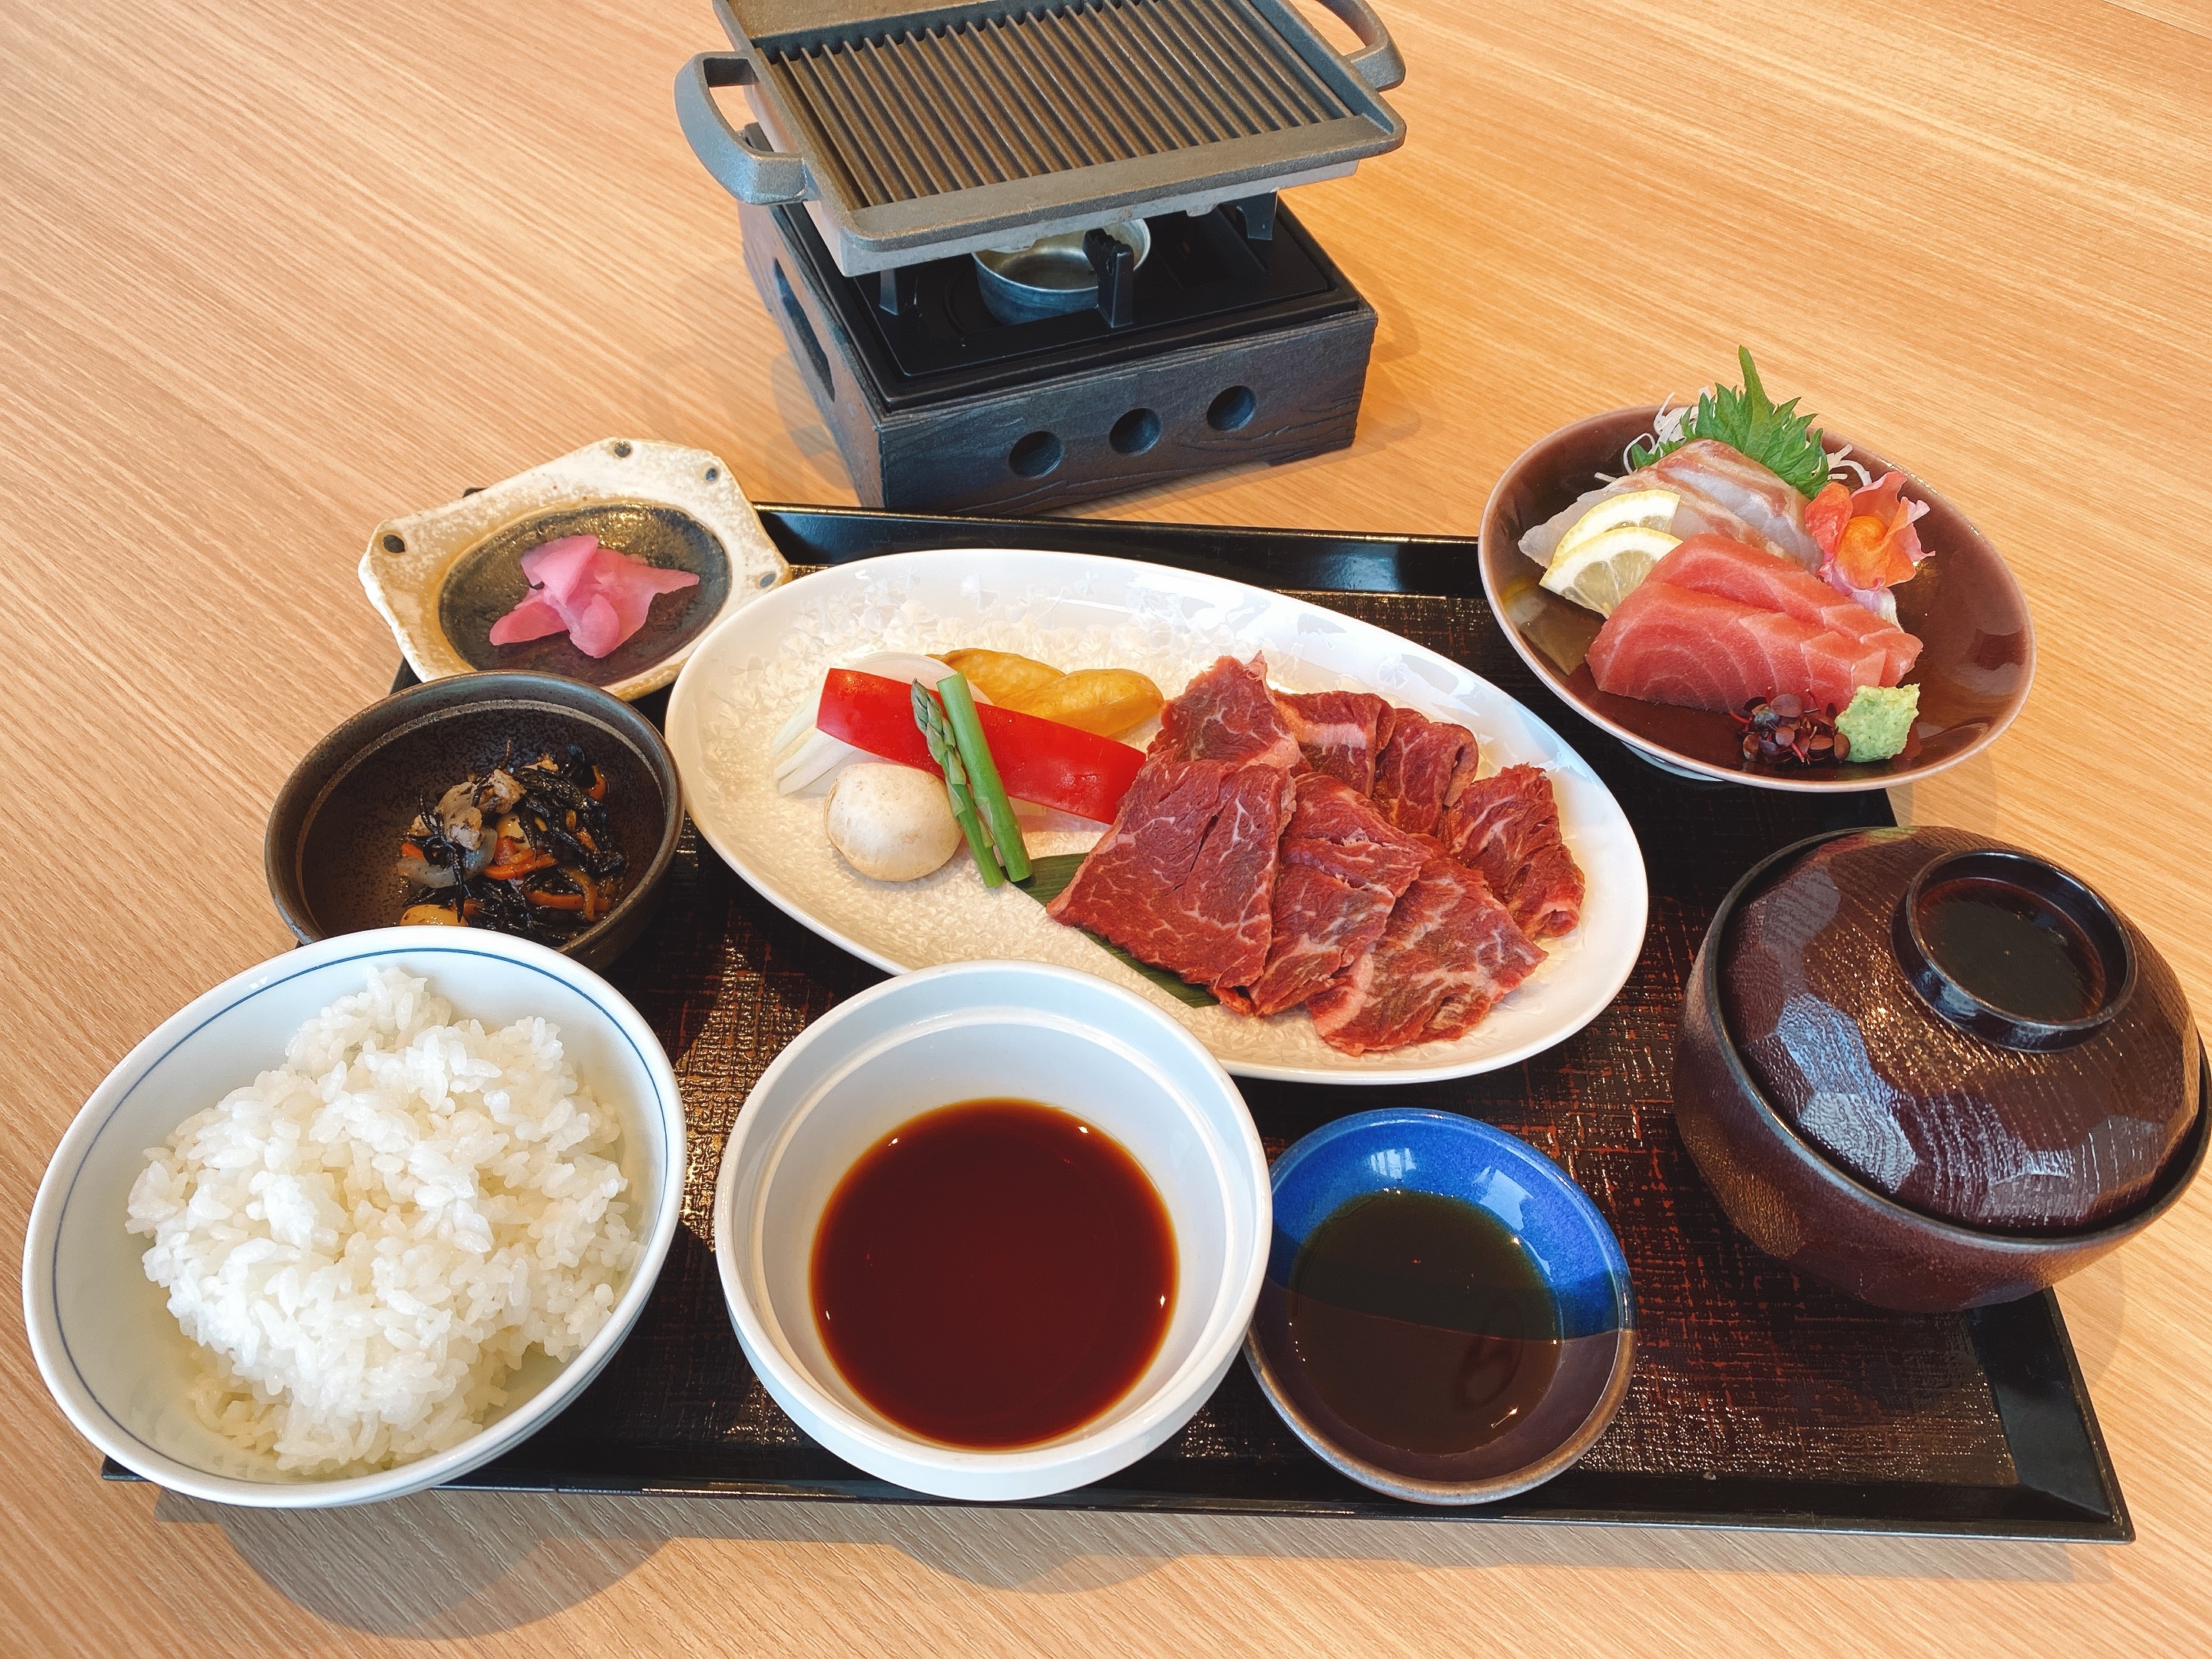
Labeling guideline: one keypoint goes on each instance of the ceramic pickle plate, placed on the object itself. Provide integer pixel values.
(443, 576)
(1075, 611)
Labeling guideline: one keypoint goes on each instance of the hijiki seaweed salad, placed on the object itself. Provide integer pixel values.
(524, 849)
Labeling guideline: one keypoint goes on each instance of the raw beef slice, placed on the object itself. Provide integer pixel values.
(1185, 879)
(1414, 774)
(1227, 714)
(1449, 952)
(1340, 732)
(1342, 869)
(1508, 827)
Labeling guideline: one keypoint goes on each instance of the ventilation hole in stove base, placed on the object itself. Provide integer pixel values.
(1036, 455)
(1231, 409)
(811, 353)
(1135, 432)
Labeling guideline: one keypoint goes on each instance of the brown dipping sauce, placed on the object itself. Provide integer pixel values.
(1420, 1322)
(994, 1273)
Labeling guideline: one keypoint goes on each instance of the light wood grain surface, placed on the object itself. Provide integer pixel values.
(269, 273)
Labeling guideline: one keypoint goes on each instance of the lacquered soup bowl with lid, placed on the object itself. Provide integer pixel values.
(1881, 1096)
(987, 1031)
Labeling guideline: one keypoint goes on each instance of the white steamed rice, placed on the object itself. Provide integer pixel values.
(367, 1240)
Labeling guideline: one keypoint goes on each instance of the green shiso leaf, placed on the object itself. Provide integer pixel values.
(1048, 879)
(1784, 442)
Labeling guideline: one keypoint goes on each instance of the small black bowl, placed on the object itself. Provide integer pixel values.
(332, 845)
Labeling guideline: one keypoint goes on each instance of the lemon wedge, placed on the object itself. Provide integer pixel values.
(1601, 572)
(1653, 509)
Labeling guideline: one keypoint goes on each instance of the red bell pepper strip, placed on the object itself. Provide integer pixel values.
(1038, 760)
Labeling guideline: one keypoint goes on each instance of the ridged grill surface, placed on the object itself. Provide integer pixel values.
(1048, 89)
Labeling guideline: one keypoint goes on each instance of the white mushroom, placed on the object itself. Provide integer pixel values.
(892, 823)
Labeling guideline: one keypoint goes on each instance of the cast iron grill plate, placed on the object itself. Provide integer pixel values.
(984, 100)
(927, 132)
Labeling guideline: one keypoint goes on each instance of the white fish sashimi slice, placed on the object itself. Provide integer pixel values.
(1728, 485)
(1724, 492)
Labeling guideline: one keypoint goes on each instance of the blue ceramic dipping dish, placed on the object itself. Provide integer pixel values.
(1574, 1250)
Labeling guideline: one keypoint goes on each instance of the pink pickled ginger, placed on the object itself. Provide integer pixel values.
(599, 597)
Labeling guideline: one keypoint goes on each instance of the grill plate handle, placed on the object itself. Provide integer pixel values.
(741, 162)
(1376, 62)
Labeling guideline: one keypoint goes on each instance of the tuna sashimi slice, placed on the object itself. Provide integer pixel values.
(1449, 952)
(1675, 645)
(1185, 877)
(1342, 869)
(1729, 571)
(601, 596)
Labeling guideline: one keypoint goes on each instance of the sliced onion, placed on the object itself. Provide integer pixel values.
(809, 755)
(815, 759)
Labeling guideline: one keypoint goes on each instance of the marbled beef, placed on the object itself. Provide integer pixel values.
(1340, 732)
(1415, 772)
(1448, 953)
(1342, 869)
(1227, 714)
(1185, 879)
(1507, 826)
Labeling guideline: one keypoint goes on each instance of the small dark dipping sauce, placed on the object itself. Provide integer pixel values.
(2026, 957)
(995, 1274)
(1421, 1321)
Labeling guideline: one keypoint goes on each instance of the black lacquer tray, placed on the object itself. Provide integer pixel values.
(1759, 1400)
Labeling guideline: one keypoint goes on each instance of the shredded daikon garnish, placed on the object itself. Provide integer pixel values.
(1841, 458)
(1665, 428)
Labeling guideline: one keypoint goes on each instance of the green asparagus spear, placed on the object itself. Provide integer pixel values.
(946, 753)
(983, 776)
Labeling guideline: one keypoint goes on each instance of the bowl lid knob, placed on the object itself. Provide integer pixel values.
(2013, 949)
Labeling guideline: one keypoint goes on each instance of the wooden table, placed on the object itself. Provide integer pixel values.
(272, 272)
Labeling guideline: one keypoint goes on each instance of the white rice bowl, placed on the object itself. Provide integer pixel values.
(129, 1377)
(367, 1240)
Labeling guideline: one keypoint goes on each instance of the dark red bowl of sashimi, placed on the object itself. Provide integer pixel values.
(1978, 647)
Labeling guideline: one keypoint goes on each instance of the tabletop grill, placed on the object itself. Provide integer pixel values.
(1030, 253)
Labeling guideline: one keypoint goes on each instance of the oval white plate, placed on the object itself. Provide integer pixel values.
(1079, 610)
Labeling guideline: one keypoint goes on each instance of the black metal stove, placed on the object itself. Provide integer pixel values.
(906, 169)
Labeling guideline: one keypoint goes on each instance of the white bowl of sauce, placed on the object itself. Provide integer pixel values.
(993, 1229)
